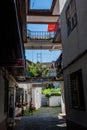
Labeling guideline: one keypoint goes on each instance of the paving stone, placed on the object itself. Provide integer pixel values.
(45, 119)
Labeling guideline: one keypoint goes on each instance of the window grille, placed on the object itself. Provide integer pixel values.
(76, 90)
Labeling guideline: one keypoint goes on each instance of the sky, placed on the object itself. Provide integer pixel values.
(40, 55)
(37, 27)
(40, 4)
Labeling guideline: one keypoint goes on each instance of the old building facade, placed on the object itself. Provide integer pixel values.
(74, 39)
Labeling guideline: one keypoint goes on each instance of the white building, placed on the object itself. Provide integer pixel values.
(74, 44)
(36, 96)
(29, 91)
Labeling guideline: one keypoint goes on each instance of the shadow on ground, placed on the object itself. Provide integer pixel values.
(44, 119)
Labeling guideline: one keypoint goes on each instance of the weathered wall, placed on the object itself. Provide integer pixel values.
(3, 115)
(36, 97)
(55, 101)
(72, 114)
(74, 44)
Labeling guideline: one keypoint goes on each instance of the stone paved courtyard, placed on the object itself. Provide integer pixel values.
(44, 119)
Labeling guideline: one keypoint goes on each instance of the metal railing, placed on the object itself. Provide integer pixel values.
(40, 35)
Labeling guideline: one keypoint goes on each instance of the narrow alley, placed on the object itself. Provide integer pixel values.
(43, 65)
(46, 118)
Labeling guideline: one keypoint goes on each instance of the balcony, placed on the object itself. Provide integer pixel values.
(39, 13)
(40, 35)
(42, 40)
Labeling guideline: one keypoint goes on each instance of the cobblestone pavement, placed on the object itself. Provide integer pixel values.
(44, 119)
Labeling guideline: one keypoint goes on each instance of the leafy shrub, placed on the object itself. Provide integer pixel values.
(51, 92)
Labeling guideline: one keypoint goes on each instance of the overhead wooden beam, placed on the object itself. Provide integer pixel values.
(42, 19)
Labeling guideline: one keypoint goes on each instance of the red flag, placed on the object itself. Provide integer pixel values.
(52, 27)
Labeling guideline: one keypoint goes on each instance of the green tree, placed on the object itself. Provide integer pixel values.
(33, 68)
(38, 70)
(45, 71)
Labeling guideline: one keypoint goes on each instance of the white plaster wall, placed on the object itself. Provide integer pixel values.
(2, 114)
(29, 86)
(74, 44)
(36, 97)
(82, 24)
(56, 10)
(28, 100)
(22, 85)
(80, 117)
(25, 90)
(61, 4)
(69, 43)
(62, 97)
(55, 101)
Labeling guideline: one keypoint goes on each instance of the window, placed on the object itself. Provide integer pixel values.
(76, 89)
(71, 17)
